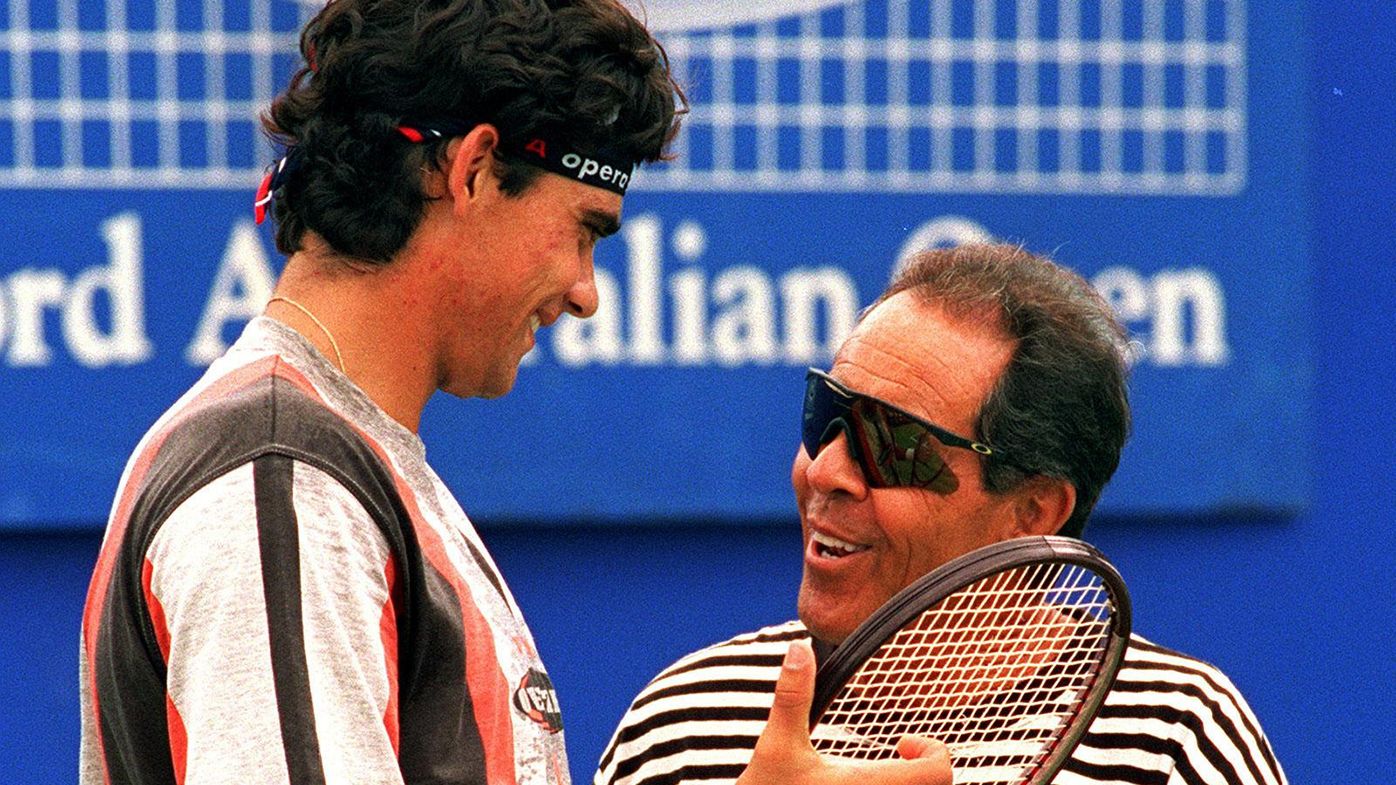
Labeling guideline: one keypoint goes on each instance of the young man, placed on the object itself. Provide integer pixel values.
(1006, 349)
(287, 593)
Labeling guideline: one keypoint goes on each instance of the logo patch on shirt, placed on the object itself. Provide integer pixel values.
(537, 699)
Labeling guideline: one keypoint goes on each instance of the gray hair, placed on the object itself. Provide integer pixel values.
(1061, 407)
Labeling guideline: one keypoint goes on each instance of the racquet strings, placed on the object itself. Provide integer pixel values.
(996, 671)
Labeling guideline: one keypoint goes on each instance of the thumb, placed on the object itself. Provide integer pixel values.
(794, 694)
(785, 741)
(784, 754)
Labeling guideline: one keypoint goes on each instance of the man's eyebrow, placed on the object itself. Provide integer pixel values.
(603, 223)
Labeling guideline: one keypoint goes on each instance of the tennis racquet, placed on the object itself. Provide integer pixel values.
(1004, 654)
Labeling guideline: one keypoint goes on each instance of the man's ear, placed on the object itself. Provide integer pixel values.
(470, 161)
(1043, 504)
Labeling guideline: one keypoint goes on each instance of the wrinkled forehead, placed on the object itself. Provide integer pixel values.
(921, 357)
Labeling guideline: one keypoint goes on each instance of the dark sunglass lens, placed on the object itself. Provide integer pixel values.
(818, 411)
(826, 414)
(905, 454)
(893, 449)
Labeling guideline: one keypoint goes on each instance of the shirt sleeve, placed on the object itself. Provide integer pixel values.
(1223, 743)
(270, 590)
(1171, 718)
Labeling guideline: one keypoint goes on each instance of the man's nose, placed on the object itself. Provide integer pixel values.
(834, 468)
(583, 298)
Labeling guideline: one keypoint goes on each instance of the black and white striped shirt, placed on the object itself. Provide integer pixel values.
(1169, 719)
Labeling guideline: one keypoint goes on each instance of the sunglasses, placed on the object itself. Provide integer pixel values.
(893, 448)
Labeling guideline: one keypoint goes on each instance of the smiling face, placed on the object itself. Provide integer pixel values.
(503, 265)
(861, 544)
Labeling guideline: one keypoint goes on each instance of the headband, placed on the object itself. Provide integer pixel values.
(600, 170)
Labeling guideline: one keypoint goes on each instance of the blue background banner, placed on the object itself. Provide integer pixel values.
(1288, 601)
(1152, 146)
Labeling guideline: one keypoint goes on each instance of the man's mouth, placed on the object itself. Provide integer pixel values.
(831, 547)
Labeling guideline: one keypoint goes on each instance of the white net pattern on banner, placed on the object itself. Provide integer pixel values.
(995, 672)
(1049, 96)
(1059, 96)
(141, 93)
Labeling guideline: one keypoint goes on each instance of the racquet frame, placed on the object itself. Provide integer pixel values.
(956, 574)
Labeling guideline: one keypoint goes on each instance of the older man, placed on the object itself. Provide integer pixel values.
(986, 346)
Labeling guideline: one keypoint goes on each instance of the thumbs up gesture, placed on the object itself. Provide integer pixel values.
(784, 755)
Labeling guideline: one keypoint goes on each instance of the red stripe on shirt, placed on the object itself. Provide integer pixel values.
(157, 612)
(387, 630)
(489, 691)
(179, 739)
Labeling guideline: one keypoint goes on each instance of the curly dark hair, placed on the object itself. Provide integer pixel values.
(1061, 407)
(585, 71)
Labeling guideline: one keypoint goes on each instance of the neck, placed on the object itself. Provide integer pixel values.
(365, 316)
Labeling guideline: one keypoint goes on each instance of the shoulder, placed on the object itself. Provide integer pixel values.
(740, 671)
(248, 500)
(753, 650)
(266, 416)
(745, 664)
(254, 463)
(704, 711)
(1151, 668)
(1172, 712)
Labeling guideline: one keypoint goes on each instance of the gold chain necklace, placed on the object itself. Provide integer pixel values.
(333, 343)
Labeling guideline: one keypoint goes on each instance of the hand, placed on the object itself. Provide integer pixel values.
(784, 755)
